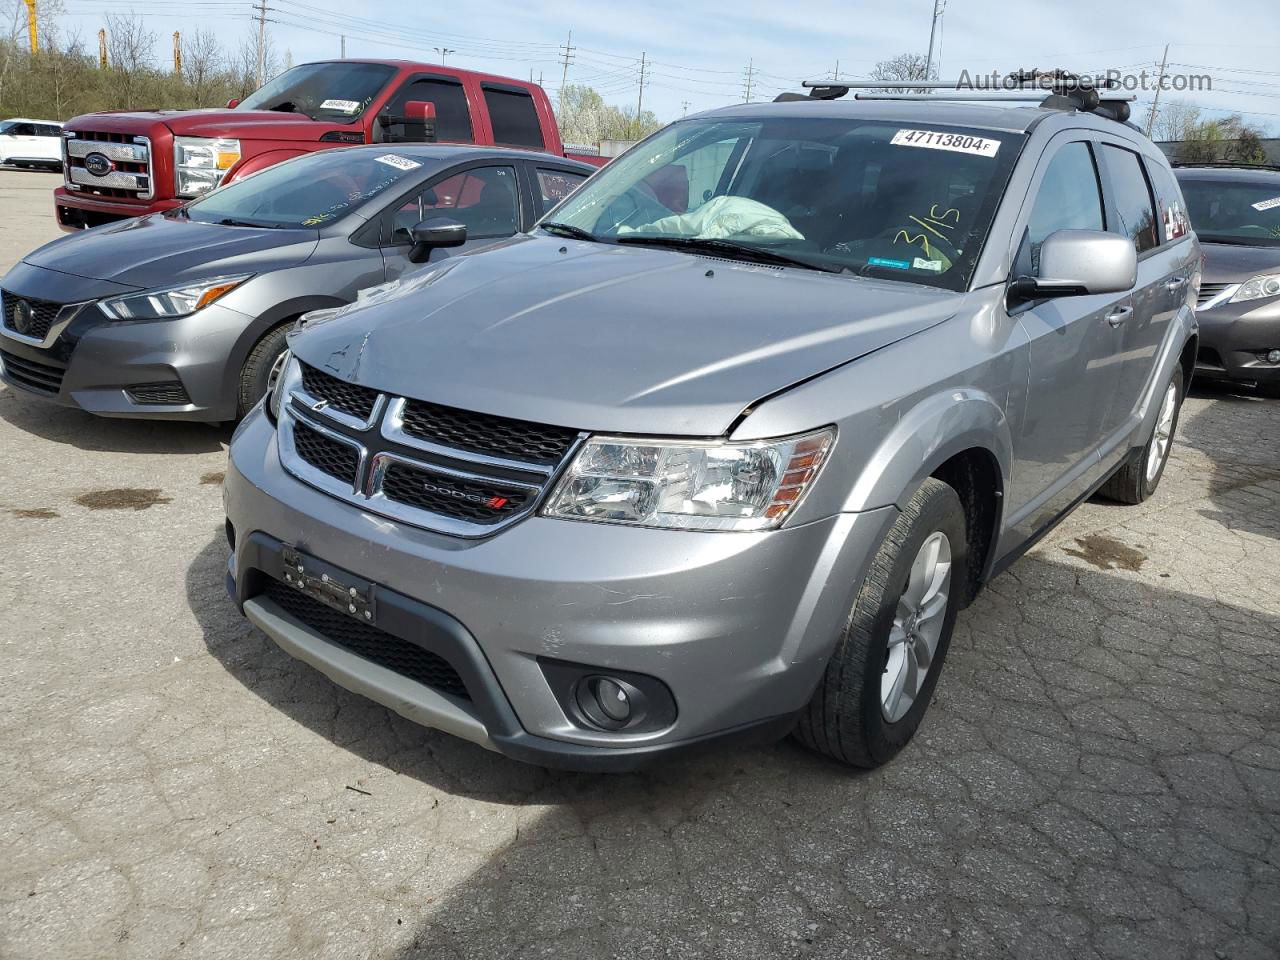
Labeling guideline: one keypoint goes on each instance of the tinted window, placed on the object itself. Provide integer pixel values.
(555, 185)
(1132, 198)
(484, 198)
(515, 122)
(22, 130)
(1069, 198)
(1172, 209)
(453, 116)
(1234, 211)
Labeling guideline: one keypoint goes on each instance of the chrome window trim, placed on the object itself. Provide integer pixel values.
(66, 313)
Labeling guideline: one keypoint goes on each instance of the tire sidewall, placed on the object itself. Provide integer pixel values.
(1149, 486)
(256, 375)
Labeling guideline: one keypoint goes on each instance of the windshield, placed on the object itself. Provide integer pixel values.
(1234, 211)
(333, 92)
(874, 198)
(310, 191)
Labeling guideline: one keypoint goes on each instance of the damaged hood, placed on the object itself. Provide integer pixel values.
(612, 338)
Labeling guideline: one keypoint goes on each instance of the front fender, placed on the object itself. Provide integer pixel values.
(260, 162)
(931, 433)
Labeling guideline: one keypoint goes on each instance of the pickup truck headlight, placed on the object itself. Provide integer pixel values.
(200, 163)
(689, 485)
(1267, 285)
(169, 303)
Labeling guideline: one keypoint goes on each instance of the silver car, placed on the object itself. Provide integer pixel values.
(183, 315)
(721, 448)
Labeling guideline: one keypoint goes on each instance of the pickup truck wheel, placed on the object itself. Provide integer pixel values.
(255, 375)
(1140, 474)
(881, 676)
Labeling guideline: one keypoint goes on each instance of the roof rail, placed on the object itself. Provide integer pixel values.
(1224, 164)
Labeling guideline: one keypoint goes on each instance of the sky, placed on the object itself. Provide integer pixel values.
(699, 54)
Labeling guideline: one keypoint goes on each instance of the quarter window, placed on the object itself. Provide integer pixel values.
(1069, 199)
(514, 119)
(555, 185)
(483, 198)
(1173, 209)
(1132, 198)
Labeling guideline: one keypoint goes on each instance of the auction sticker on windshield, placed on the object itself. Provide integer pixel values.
(1267, 204)
(937, 140)
(346, 106)
(400, 163)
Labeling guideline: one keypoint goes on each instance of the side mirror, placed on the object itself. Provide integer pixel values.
(1075, 263)
(233, 103)
(437, 232)
(423, 113)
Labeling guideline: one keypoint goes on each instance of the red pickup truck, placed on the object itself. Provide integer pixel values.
(120, 165)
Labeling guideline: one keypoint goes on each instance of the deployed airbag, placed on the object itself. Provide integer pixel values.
(721, 218)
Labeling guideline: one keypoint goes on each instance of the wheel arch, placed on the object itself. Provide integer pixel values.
(263, 323)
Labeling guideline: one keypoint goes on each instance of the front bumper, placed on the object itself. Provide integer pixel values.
(1234, 338)
(76, 210)
(738, 627)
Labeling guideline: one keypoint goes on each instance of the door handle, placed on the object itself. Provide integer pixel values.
(1173, 283)
(1119, 315)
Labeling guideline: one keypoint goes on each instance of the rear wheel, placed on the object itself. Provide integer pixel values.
(881, 676)
(257, 372)
(1138, 477)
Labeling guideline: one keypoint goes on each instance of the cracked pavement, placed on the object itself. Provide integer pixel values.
(1099, 776)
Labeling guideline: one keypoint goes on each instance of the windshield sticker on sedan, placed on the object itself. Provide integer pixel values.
(921, 264)
(400, 163)
(891, 264)
(346, 106)
(937, 140)
(1267, 204)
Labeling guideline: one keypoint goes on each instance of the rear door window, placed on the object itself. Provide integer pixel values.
(514, 119)
(1069, 198)
(555, 185)
(1172, 209)
(453, 116)
(484, 198)
(1132, 198)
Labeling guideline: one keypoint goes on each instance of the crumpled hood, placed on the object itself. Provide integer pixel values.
(1229, 263)
(156, 250)
(612, 338)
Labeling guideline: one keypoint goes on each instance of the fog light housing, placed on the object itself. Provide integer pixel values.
(1273, 356)
(608, 703)
(616, 701)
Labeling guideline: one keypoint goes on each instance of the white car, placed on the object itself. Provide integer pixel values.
(31, 143)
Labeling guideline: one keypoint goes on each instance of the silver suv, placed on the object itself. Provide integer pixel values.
(720, 448)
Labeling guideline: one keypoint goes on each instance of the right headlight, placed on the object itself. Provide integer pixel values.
(689, 484)
(1267, 285)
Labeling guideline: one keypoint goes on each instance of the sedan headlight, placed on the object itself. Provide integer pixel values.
(200, 163)
(169, 303)
(1267, 285)
(689, 485)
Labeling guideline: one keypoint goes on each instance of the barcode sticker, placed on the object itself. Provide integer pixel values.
(346, 106)
(400, 163)
(938, 140)
(1267, 204)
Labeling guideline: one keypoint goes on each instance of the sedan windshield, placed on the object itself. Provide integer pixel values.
(1234, 211)
(833, 194)
(333, 92)
(311, 191)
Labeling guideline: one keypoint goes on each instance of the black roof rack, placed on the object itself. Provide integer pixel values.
(1224, 164)
(1054, 89)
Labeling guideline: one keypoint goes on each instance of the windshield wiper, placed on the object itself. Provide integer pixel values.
(568, 230)
(233, 222)
(741, 251)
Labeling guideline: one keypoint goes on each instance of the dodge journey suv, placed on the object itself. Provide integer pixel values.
(720, 448)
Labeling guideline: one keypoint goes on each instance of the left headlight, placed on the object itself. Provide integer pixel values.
(200, 163)
(1266, 285)
(169, 303)
(689, 485)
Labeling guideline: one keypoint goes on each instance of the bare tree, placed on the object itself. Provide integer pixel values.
(1175, 120)
(245, 64)
(130, 50)
(905, 66)
(202, 62)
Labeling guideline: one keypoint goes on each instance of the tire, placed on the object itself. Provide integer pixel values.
(255, 375)
(1140, 474)
(849, 719)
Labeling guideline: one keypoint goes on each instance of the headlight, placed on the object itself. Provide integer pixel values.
(168, 303)
(689, 485)
(284, 376)
(1267, 285)
(200, 163)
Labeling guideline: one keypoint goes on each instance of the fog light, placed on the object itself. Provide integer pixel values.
(1273, 356)
(607, 702)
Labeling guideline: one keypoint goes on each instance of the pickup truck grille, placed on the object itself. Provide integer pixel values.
(436, 467)
(112, 165)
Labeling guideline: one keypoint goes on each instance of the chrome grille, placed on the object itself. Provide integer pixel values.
(1210, 292)
(130, 172)
(456, 472)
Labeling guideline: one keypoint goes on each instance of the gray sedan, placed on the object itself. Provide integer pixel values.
(183, 315)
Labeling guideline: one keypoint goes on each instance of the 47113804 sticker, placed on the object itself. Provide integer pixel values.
(942, 140)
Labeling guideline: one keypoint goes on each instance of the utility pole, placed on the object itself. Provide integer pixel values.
(835, 74)
(32, 32)
(177, 53)
(444, 53)
(1155, 101)
(566, 58)
(640, 96)
(102, 49)
(684, 108)
(939, 7)
(262, 38)
(750, 75)
(343, 46)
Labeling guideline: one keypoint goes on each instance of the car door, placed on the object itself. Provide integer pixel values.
(1163, 273)
(486, 197)
(50, 142)
(1074, 347)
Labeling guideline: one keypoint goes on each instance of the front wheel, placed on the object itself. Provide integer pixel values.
(881, 676)
(1140, 474)
(256, 376)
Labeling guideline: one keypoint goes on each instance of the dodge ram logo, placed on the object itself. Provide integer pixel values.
(98, 164)
(22, 317)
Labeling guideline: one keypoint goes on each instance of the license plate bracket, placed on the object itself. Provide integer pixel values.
(335, 588)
